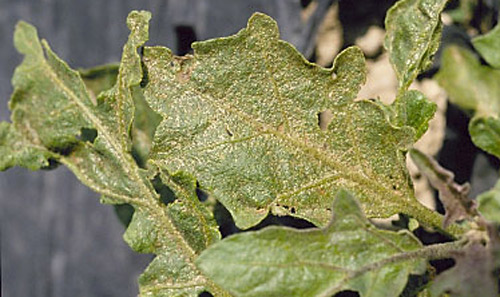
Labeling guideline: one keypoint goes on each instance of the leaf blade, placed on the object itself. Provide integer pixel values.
(489, 204)
(488, 45)
(252, 137)
(413, 35)
(52, 106)
(459, 68)
(280, 261)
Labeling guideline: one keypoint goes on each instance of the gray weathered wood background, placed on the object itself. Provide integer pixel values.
(56, 239)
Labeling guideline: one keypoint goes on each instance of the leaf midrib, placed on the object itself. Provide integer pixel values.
(133, 172)
(130, 169)
(315, 152)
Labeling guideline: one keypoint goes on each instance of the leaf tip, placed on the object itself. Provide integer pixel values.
(26, 39)
(346, 204)
(138, 24)
(138, 18)
(349, 67)
(264, 25)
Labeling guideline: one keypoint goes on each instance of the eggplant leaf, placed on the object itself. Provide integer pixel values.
(474, 87)
(349, 254)
(51, 110)
(241, 116)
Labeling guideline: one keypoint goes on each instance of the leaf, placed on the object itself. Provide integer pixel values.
(475, 87)
(413, 109)
(241, 116)
(489, 204)
(145, 123)
(15, 150)
(102, 78)
(413, 34)
(485, 133)
(454, 197)
(99, 79)
(51, 110)
(472, 274)
(349, 254)
(488, 45)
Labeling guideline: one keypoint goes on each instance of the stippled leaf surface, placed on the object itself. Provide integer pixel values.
(474, 87)
(52, 107)
(103, 78)
(21, 150)
(241, 115)
(346, 255)
(413, 32)
(413, 35)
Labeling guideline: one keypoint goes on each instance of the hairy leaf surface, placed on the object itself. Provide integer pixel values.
(349, 254)
(52, 112)
(241, 115)
(475, 87)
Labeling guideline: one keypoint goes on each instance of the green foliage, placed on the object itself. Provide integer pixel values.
(459, 68)
(252, 138)
(474, 87)
(51, 106)
(488, 46)
(489, 204)
(239, 119)
(349, 253)
(413, 35)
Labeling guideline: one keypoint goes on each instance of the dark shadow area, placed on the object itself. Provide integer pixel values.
(428, 238)
(166, 194)
(53, 164)
(289, 221)
(305, 3)
(124, 212)
(228, 227)
(88, 135)
(458, 152)
(205, 294)
(357, 16)
(185, 36)
(145, 74)
(442, 264)
(346, 293)
(415, 284)
(224, 220)
(202, 195)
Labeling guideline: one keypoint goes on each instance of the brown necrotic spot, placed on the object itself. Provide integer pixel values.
(324, 119)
